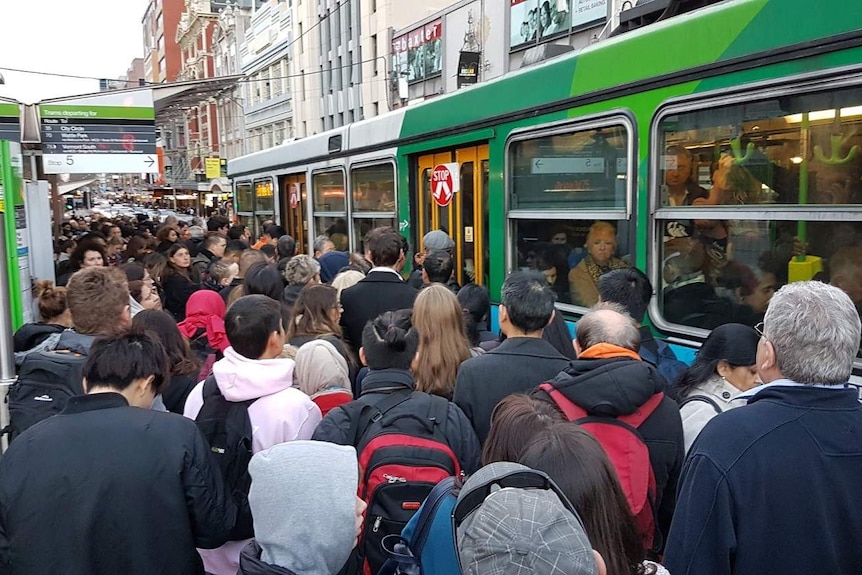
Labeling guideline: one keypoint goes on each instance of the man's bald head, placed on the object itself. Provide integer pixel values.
(608, 323)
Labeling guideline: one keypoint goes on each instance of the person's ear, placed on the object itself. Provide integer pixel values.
(769, 359)
(126, 316)
(362, 356)
(601, 568)
(578, 349)
(502, 314)
(551, 319)
(85, 385)
(145, 386)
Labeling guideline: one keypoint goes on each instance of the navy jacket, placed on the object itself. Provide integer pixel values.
(773, 488)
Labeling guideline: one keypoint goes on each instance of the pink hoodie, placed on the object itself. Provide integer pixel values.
(282, 413)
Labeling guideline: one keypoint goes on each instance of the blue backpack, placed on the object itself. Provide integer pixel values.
(426, 545)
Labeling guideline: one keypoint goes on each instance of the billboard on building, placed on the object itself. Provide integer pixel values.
(523, 22)
(555, 17)
(418, 54)
(531, 21)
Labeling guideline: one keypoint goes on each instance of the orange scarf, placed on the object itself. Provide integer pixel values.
(607, 351)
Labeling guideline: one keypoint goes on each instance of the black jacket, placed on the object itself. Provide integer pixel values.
(619, 386)
(104, 488)
(517, 365)
(30, 335)
(178, 290)
(378, 292)
(336, 425)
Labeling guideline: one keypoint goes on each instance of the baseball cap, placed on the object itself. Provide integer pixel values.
(524, 525)
(437, 240)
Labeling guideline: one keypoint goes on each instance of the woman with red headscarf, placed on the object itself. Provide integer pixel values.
(204, 328)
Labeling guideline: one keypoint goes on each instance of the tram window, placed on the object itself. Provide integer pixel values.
(335, 227)
(795, 149)
(361, 227)
(328, 191)
(244, 200)
(373, 188)
(264, 200)
(572, 253)
(586, 169)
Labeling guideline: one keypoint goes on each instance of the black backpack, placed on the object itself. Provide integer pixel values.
(227, 428)
(46, 381)
(403, 454)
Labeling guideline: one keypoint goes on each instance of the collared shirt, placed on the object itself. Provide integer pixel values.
(386, 269)
(787, 383)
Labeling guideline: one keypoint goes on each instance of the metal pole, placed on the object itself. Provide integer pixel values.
(7, 357)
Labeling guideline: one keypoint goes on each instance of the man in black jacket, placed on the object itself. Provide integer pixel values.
(609, 379)
(108, 485)
(521, 362)
(381, 290)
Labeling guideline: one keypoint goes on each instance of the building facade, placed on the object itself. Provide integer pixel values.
(265, 60)
(162, 60)
(232, 23)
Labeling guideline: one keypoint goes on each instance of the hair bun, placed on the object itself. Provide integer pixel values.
(395, 337)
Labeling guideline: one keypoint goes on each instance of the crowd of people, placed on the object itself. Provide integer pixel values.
(235, 411)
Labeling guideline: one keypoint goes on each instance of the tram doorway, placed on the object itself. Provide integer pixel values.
(465, 218)
(293, 202)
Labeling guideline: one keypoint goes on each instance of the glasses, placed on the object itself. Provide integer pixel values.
(759, 329)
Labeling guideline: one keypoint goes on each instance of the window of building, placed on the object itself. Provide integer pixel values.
(330, 212)
(754, 195)
(569, 203)
(374, 53)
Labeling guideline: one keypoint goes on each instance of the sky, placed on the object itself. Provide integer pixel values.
(97, 38)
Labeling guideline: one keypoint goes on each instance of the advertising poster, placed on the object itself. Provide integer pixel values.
(523, 22)
(555, 17)
(418, 55)
(586, 11)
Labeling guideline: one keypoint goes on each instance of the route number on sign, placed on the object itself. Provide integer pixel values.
(445, 183)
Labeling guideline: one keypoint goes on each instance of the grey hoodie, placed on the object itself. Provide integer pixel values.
(303, 501)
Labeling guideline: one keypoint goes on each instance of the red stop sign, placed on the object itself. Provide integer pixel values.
(442, 185)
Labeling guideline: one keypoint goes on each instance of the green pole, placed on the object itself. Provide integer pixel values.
(12, 202)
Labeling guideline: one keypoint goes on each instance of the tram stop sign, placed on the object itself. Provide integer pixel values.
(445, 183)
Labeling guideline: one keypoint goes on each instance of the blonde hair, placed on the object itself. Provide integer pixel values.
(346, 279)
(443, 343)
(599, 227)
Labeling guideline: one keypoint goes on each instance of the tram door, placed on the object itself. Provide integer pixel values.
(465, 218)
(293, 198)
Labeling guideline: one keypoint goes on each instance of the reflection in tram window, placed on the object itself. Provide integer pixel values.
(373, 188)
(328, 192)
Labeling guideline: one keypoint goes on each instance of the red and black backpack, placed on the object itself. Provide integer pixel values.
(629, 454)
(403, 454)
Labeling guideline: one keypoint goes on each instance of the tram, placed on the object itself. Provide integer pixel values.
(719, 149)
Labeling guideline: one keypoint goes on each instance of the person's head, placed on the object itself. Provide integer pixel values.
(172, 222)
(683, 258)
(268, 250)
(320, 367)
(729, 353)
(629, 288)
(607, 323)
(601, 242)
(301, 270)
(383, 247)
(545, 14)
(845, 272)
(248, 258)
(514, 422)
(89, 253)
(438, 266)
(115, 232)
(223, 272)
(286, 246)
(98, 299)
(205, 303)
(810, 335)
(527, 304)
(133, 364)
(167, 234)
(346, 279)
(322, 244)
(578, 464)
(254, 328)
(264, 279)
(238, 232)
(179, 258)
(678, 171)
(218, 224)
(233, 250)
(443, 344)
(476, 301)
(195, 232)
(136, 249)
(316, 312)
(155, 264)
(145, 294)
(215, 244)
(52, 303)
(181, 359)
(437, 240)
(511, 520)
(321, 475)
(272, 233)
(115, 246)
(389, 341)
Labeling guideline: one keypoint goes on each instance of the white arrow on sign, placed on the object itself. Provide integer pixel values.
(443, 192)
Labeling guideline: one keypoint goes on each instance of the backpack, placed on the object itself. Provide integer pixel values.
(46, 381)
(426, 546)
(398, 466)
(227, 428)
(628, 453)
